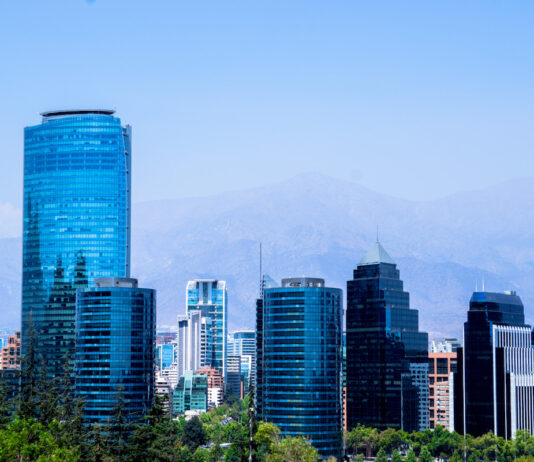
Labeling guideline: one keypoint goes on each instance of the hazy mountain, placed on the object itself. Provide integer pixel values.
(318, 226)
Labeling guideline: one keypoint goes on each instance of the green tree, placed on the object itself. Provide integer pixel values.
(396, 457)
(381, 456)
(390, 440)
(410, 457)
(266, 437)
(118, 429)
(194, 434)
(25, 440)
(293, 450)
(425, 456)
(456, 457)
(28, 398)
(362, 438)
(6, 407)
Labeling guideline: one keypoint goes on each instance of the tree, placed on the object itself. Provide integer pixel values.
(28, 399)
(381, 456)
(456, 457)
(293, 450)
(119, 427)
(362, 438)
(194, 434)
(396, 457)
(6, 409)
(410, 457)
(425, 456)
(266, 437)
(26, 440)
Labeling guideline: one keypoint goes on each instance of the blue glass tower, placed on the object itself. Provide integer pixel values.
(301, 360)
(77, 168)
(209, 296)
(115, 348)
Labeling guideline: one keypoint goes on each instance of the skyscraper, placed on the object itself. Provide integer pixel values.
(194, 341)
(77, 170)
(115, 348)
(209, 296)
(301, 361)
(495, 379)
(387, 364)
(243, 343)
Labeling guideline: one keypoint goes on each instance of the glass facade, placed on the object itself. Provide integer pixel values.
(115, 348)
(210, 297)
(191, 394)
(497, 354)
(387, 365)
(76, 220)
(243, 343)
(301, 362)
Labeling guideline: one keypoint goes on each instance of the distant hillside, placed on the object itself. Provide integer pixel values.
(319, 226)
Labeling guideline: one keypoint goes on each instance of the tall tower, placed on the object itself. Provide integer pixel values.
(115, 348)
(495, 379)
(387, 364)
(77, 183)
(209, 296)
(301, 360)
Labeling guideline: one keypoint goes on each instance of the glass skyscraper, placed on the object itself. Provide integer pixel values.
(387, 363)
(243, 343)
(209, 296)
(76, 228)
(299, 372)
(494, 385)
(115, 348)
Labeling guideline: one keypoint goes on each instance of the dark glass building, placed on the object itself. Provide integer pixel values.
(495, 368)
(301, 361)
(387, 365)
(76, 220)
(115, 348)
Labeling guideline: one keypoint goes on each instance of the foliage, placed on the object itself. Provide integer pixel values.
(194, 434)
(293, 450)
(381, 456)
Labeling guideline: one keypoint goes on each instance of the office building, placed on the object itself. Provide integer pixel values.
(164, 355)
(440, 399)
(243, 343)
(300, 361)
(77, 171)
(387, 355)
(10, 358)
(194, 341)
(209, 296)
(215, 385)
(191, 394)
(115, 348)
(494, 385)
(234, 379)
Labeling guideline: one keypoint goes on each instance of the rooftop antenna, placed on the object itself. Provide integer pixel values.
(483, 288)
(476, 285)
(377, 234)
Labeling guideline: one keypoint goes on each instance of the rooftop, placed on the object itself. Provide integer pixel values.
(71, 112)
(376, 254)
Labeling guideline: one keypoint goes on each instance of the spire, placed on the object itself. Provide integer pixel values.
(376, 254)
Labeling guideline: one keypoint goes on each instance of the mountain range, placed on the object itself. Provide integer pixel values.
(318, 226)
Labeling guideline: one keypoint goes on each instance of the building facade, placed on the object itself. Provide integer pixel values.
(234, 377)
(209, 296)
(243, 343)
(10, 358)
(115, 348)
(215, 386)
(164, 355)
(387, 355)
(194, 341)
(191, 394)
(77, 186)
(498, 352)
(301, 360)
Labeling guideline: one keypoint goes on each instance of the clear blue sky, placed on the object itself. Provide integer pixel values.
(417, 99)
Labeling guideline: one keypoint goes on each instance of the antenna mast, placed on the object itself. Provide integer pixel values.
(261, 276)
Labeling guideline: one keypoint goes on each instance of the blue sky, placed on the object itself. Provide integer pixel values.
(414, 99)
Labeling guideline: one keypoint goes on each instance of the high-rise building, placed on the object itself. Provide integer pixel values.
(209, 296)
(194, 341)
(494, 385)
(77, 176)
(191, 394)
(440, 399)
(115, 348)
(300, 361)
(215, 385)
(387, 356)
(164, 355)
(10, 358)
(234, 379)
(243, 343)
